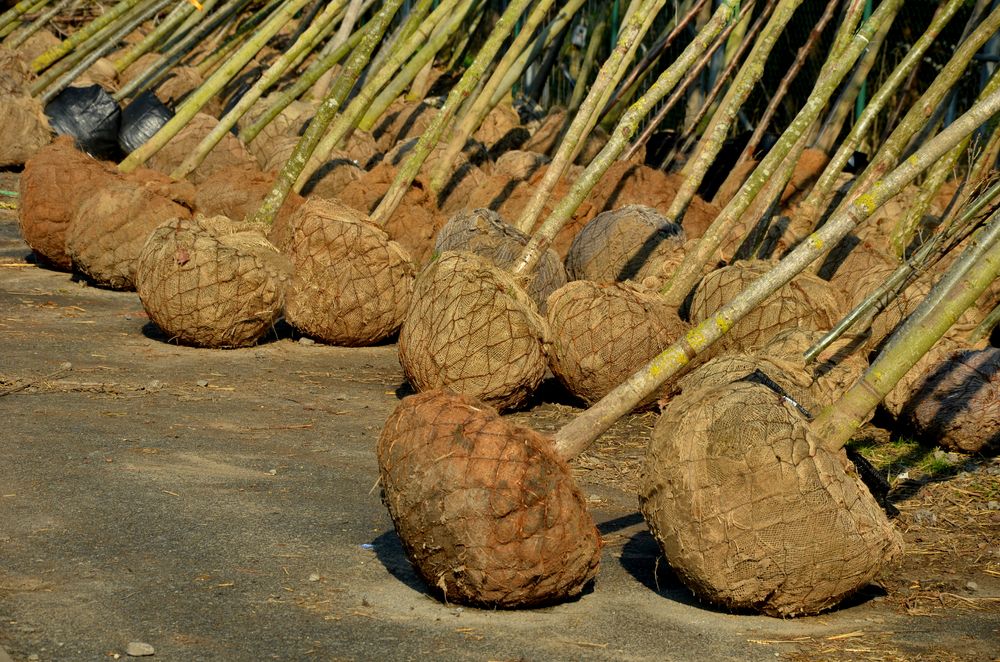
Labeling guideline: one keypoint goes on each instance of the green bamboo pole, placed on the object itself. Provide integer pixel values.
(692, 76)
(326, 112)
(243, 31)
(575, 437)
(175, 53)
(408, 171)
(158, 34)
(929, 253)
(442, 32)
(346, 121)
(49, 57)
(303, 83)
(958, 289)
(190, 107)
(985, 328)
(985, 161)
(620, 137)
(718, 129)
(15, 12)
(15, 40)
(59, 76)
(322, 86)
(305, 42)
(709, 106)
(629, 36)
(823, 189)
(582, 80)
(688, 273)
(16, 24)
(470, 119)
(914, 120)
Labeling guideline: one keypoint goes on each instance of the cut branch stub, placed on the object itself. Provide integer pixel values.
(351, 284)
(744, 514)
(471, 328)
(210, 282)
(487, 513)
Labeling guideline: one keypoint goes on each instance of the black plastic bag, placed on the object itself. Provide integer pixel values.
(141, 119)
(91, 116)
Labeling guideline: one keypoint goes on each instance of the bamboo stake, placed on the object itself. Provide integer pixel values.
(304, 82)
(324, 115)
(345, 123)
(14, 41)
(925, 257)
(15, 12)
(575, 437)
(69, 68)
(160, 32)
(630, 35)
(823, 188)
(442, 32)
(958, 289)
(408, 171)
(472, 117)
(903, 231)
(190, 107)
(687, 137)
(580, 86)
(49, 57)
(985, 328)
(890, 151)
(627, 126)
(689, 271)
(747, 77)
(322, 86)
(306, 41)
(233, 41)
(17, 23)
(500, 83)
(678, 94)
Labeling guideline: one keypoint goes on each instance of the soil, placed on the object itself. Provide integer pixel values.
(224, 505)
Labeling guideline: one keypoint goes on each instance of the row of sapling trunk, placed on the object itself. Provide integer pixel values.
(493, 310)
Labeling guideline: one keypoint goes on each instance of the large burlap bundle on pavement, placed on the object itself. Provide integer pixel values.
(624, 244)
(747, 517)
(109, 229)
(351, 284)
(484, 233)
(227, 153)
(23, 131)
(956, 401)
(472, 329)
(487, 513)
(52, 186)
(602, 333)
(806, 302)
(211, 282)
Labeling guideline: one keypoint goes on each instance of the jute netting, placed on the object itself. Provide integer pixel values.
(229, 152)
(111, 226)
(211, 282)
(23, 131)
(622, 245)
(806, 302)
(602, 333)
(484, 233)
(471, 328)
(351, 284)
(747, 517)
(486, 511)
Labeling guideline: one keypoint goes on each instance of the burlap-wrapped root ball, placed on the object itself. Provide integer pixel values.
(833, 371)
(351, 284)
(228, 153)
(806, 302)
(23, 131)
(602, 333)
(623, 244)
(487, 512)
(111, 226)
(472, 329)
(210, 282)
(957, 403)
(747, 518)
(54, 183)
(484, 233)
